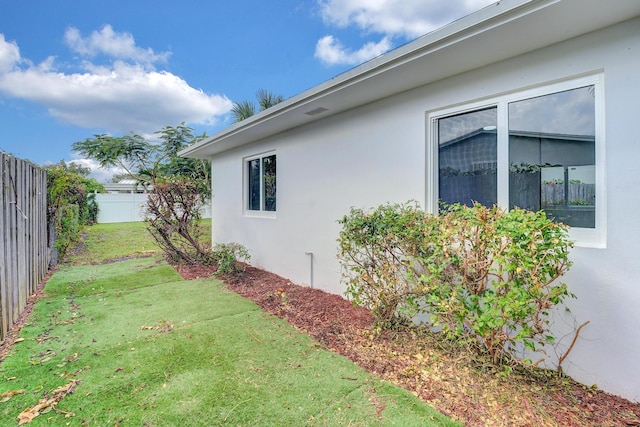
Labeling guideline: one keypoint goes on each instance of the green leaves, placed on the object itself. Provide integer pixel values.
(145, 159)
(180, 186)
(110, 150)
(70, 203)
(267, 99)
(377, 251)
(482, 275)
(506, 264)
(242, 110)
(229, 257)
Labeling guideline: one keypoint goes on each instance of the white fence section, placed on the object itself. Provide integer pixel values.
(121, 207)
(128, 207)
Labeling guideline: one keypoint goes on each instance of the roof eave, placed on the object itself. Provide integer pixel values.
(373, 66)
(487, 25)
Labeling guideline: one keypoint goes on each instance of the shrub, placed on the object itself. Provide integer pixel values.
(67, 228)
(70, 204)
(491, 279)
(92, 209)
(173, 215)
(484, 277)
(228, 255)
(375, 251)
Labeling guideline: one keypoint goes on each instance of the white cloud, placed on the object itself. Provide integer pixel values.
(407, 19)
(119, 97)
(9, 55)
(102, 175)
(113, 44)
(330, 51)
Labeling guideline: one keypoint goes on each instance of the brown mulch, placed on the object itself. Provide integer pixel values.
(464, 388)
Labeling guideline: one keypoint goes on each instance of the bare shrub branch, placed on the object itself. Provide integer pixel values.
(173, 214)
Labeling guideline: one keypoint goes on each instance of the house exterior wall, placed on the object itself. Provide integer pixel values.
(378, 153)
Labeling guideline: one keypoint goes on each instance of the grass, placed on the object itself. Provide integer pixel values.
(108, 242)
(104, 242)
(150, 349)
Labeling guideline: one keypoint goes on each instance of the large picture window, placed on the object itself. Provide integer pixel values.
(538, 150)
(261, 183)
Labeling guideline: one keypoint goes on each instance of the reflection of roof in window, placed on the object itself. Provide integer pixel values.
(461, 125)
(526, 134)
(467, 136)
(550, 135)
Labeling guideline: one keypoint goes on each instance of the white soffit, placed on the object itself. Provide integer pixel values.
(499, 31)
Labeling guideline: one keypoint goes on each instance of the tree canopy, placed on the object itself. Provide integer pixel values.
(244, 109)
(149, 160)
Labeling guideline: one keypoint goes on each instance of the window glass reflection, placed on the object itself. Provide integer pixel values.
(552, 155)
(467, 157)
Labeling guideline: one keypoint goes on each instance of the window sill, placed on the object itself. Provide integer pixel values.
(260, 214)
(588, 238)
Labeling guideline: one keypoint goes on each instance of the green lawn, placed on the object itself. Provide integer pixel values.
(142, 347)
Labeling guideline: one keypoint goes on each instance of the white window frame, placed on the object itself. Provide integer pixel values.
(261, 213)
(586, 237)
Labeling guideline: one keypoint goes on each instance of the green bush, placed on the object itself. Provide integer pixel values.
(90, 215)
(228, 257)
(485, 277)
(68, 227)
(492, 278)
(70, 202)
(375, 251)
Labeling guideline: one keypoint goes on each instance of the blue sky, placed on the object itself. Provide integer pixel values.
(75, 68)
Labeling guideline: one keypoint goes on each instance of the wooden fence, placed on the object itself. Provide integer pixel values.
(24, 246)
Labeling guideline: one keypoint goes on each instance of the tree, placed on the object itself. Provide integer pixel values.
(245, 109)
(173, 214)
(179, 186)
(147, 160)
(267, 99)
(75, 168)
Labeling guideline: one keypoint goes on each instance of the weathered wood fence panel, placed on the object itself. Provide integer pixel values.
(579, 194)
(24, 246)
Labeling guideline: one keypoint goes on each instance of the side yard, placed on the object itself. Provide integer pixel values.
(119, 338)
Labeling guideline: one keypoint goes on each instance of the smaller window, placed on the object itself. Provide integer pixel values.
(261, 183)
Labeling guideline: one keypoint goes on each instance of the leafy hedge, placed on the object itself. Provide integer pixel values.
(71, 204)
(483, 276)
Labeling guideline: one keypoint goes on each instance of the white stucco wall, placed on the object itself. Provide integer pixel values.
(377, 154)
